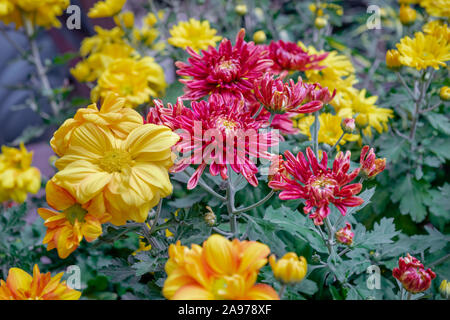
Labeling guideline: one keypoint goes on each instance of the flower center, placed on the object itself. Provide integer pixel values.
(226, 124)
(115, 161)
(323, 182)
(75, 212)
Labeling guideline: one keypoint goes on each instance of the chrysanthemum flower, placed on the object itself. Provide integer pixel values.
(198, 35)
(279, 97)
(423, 51)
(220, 269)
(330, 129)
(107, 8)
(290, 269)
(345, 235)
(217, 132)
(135, 80)
(72, 221)
(21, 286)
(132, 173)
(228, 69)
(17, 176)
(288, 56)
(318, 184)
(42, 13)
(113, 115)
(370, 165)
(412, 274)
(365, 112)
(437, 8)
(438, 29)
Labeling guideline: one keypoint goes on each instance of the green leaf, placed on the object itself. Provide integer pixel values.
(439, 121)
(412, 195)
(382, 233)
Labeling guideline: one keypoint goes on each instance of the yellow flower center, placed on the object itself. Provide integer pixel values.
(75, 212)
(115, 161)
(323, 182)
(227, 65)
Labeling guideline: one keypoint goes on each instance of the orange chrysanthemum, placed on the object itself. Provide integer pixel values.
(220, 269)
(73, 221)
(21, 286)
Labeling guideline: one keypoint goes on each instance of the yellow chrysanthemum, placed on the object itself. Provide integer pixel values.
(125, 19)
(336, 65)
(366, 113)
(107, 8)
(330, 129)
(195, 34)
(132, 173)
(135, 80)
(42, 13)
(113, 115)
(220, 269)
(17, 176)
(423, 51)
(21, 286)
(437, 8)
(101, 38)
(437, 29)
(71, 221)
(290, 269)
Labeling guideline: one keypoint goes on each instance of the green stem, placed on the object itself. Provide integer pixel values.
(316, 134)
(408, 297)
(439, 261)
(281, 292)
(257, 204)
(230, 207)
(158, 213)
(337, 142)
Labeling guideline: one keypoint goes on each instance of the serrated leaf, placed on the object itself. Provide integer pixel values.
(411, 195)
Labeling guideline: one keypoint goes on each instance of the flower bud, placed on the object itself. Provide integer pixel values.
(125, 19)
(393, 59)
(444, 289)
(412, 274)
(210, 217)
(259, 13)
(259, 36)
(241, 9)
(444, 93)
(407, 15)
(345, 235)
(370, 165)
(290, 269)
(348, 125)
(320, 22)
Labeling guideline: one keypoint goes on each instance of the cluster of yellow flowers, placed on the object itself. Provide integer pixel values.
(226, 269)
(21, 286)
(435, 8)
(429, 48)
(112, 57)
(112, 167)
(17, 176)
(339, 74)
(42, 13)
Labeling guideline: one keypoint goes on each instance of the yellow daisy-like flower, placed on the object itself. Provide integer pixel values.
(437, 8)
(198, 35)
(220, 269)
(124, 19)
(330, 129)
(132, 173)
(17, 176)
(21, 286)
(42, 13)
(437, 29)
(72, 221)
(103, 37)
(423, 51)
(107, 8)
(135, 80)
(366, 113)
(113, 115)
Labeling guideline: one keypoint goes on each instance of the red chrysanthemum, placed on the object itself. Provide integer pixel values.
(412, 274)
(281, 122)
(288, 56)
(318, 184)
(345, 235)
(228, 69)
(279, 97)
(216, 133)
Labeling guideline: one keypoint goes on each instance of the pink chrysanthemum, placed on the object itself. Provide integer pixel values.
(345, 235)
(216, 133)
(371, 166)
(318, 184)
(412, 274)
(279, 97)
(228, 69)
(281, 122)
(288, 56)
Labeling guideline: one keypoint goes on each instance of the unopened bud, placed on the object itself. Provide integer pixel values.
(348, 125)
(320, 22)
(241, 9)
(210, 217)
(444, 93)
